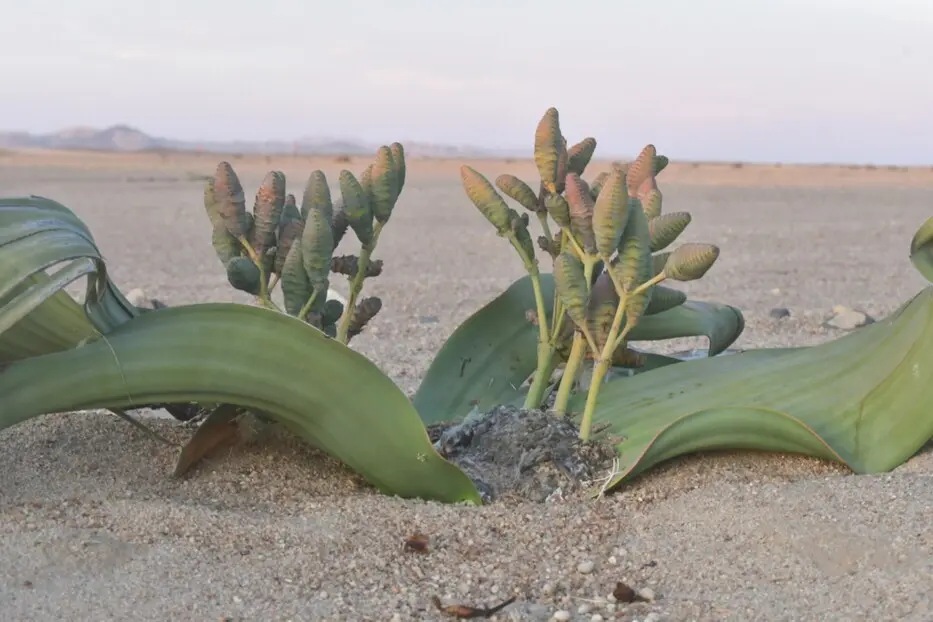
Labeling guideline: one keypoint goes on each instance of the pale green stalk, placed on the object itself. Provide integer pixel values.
(577, 351)
(307, 307)
(545, 347)
(613, 341)
(356, 285)
(256, 259)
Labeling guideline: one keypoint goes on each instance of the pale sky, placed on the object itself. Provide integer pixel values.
(795, 80)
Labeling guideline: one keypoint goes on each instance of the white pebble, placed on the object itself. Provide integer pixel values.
(653, 617)
(585, 608)
(561, 615)
(647, 593)
(596, 618)
(585, 567)
(613, 560)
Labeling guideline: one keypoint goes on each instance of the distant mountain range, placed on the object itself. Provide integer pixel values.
(125, 138)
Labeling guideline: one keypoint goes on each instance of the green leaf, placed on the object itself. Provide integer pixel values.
(862, 400)
(277, 365)
(488, 357)
(485, 360)
(921, 250)
(37, 234)
(720, 323)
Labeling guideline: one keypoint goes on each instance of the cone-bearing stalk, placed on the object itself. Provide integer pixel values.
(356, 284)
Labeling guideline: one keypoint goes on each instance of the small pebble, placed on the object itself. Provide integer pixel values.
(585, 608)
(561, 615)
(612, 560)
(779, 313)
(653, 617)
(647, 593)
(596, 618)
(585, 567)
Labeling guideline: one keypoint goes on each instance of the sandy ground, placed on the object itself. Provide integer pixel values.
(93, 527)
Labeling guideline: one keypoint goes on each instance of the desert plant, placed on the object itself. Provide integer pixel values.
(861, 400)
(280, 242)
(608, 255)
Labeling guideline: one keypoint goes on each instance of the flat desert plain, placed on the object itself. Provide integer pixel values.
(94, 527)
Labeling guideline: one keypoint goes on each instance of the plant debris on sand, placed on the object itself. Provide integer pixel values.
(519, 454)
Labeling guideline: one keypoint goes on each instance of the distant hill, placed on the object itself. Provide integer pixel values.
(127, 139)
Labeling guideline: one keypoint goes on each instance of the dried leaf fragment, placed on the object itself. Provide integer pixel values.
(466, 612)
(623, 593)
(417, 542)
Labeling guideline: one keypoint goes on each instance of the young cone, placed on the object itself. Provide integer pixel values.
(357, 207)
(666, 228)
(486, 199)
(579, 155)
(581, 212)
(571, 287)
(518, 191)
(550, 152)
(690, 262)
(384, 189)
(610, 214)
(230, 201)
